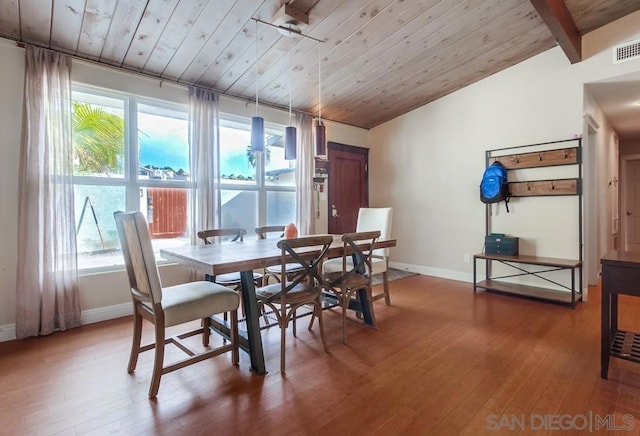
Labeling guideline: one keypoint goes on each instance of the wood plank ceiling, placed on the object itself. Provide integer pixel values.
(380, 58)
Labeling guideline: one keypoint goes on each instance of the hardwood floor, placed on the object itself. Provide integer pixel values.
(443, 361)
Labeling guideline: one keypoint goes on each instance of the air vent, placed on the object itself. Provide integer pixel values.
(626, 52)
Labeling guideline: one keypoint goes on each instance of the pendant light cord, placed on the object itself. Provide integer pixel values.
(289, 53)
(319, 88)
(256, 68)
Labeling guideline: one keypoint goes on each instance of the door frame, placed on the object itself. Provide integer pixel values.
(337, 146)
(591, 227)
(622, 202)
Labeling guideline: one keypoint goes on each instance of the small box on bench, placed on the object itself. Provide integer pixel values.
(498, 243)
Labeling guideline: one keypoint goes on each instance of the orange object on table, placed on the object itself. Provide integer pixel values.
(290, 231)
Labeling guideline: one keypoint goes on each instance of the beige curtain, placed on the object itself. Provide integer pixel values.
(47, 282)
(305, 218)
(204, 139)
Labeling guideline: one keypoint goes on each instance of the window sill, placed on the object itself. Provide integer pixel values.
(113, 268)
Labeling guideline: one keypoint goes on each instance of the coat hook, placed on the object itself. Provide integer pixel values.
(552, 185)
(517, 159)
(540, 157)
(528, 186)
(566, 154)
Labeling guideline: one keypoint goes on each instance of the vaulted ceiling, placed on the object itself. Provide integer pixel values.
(378, 59)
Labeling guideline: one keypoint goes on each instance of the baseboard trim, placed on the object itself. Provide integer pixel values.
(106, 313)
(90, 316)
(436, 272)
(7, 332)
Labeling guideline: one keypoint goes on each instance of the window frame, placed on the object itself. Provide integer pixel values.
(132, 183)
(260, 184)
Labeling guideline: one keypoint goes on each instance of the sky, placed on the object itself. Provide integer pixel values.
(159, 136)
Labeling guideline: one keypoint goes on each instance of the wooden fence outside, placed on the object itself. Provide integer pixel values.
(167, 212)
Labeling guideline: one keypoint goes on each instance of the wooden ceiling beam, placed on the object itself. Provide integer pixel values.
(556, 16)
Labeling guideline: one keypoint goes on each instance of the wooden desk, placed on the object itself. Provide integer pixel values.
(620, 275)
(244, 257)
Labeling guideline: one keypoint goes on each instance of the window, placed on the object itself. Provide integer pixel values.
(132, 153)
(250, 195)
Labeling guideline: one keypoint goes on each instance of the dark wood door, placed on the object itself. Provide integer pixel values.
(348, 186)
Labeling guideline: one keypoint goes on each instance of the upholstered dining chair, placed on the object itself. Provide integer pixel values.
(354, 274)
(292, 269)
(169, 306)
(286, 297)
(371, 219)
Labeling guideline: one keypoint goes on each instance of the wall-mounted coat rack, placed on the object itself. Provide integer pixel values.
(548, 158)
(544, 187)
(547, 154)
(539, 159)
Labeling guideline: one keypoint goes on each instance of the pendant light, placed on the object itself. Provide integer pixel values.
(290, 143)
(257, 123)
(290, 140)
(321, 133)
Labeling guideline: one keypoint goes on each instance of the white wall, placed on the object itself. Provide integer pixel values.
(594, 184)
(433, 158)
(598, 66)
(427, 164)
(104, 295)
(605, 152)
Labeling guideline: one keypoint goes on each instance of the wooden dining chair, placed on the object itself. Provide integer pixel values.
(355, 273)
(286, 297)
(372, 219)
(169, 306)
(292, 269)
(212, 236)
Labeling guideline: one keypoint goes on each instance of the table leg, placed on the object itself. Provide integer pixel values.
(366, 305)
(605, 334)
(252, 315)
(580, 283)
(573, 288)
(474, 273)
(613, 309)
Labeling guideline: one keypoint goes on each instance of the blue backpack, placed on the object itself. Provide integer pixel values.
(494, 186)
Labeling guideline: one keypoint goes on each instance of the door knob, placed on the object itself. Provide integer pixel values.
(334, 211)
(629, 213)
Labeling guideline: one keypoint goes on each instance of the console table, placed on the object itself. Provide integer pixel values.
(620, 275)
(547, 264)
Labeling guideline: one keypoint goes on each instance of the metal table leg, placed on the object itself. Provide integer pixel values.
(253, 322)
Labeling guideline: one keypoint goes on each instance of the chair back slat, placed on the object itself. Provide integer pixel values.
(140, 261)
(263, 231)
(361, 258)
(211, 235)
(309, 252)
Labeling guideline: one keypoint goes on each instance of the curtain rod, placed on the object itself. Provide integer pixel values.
(21, 44)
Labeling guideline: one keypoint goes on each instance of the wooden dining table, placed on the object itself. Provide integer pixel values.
(245, 257)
